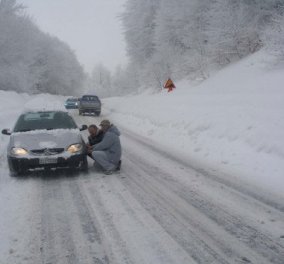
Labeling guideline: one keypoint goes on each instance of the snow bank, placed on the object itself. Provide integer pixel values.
(233, 122)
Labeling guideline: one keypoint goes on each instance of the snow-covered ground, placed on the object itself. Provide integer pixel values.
(232, 124)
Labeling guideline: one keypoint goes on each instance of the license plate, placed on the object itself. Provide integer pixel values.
(48, 161)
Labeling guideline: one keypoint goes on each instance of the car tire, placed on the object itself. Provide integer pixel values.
(98, 113)
(84, 165)
(14, 173)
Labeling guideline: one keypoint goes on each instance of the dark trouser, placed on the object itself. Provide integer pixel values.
(90, 155)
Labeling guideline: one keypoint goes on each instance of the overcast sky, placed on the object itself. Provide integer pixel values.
(90, 27)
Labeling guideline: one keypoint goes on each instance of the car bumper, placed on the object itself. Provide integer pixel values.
(90, 109)
(71, 107)
(24, 164)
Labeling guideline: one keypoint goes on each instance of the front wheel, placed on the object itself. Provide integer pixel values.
(84, 165)
(15, 173)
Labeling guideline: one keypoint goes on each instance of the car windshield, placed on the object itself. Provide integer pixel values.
(44, 120)
(72, 100)
(90, 98)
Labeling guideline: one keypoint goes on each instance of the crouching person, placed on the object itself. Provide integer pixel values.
(95, 136)
(107, 153)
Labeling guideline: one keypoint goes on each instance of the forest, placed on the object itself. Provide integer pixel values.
(193, 38)
(32, 61)
(179, 39)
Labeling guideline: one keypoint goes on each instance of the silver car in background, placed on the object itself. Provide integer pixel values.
(45, 140)
(90, 104)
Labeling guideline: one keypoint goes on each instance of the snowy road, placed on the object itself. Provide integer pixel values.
(158, 210)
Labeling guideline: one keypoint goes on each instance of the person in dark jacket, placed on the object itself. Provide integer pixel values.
(107, 153)
(95, 136)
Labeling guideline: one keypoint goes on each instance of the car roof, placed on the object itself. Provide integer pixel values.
(43, 111)
(89, 95)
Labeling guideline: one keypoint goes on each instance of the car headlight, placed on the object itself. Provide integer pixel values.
(18, 151)
(75, 148)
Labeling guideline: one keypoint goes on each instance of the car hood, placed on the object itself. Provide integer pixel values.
(41, 139)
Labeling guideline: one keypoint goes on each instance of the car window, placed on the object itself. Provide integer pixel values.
(90, 98)
(44, 120)
(72, 100)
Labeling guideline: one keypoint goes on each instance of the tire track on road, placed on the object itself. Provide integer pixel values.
(68, 232)
(57, 242)
(245, 233)
(89, 226)
(178, 223)
(139, 238)
(276, 204)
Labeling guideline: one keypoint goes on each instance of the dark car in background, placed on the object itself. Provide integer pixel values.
(90, 104)
(71, 103)
(45, 140)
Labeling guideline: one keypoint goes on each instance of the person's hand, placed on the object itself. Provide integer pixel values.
(89, 149)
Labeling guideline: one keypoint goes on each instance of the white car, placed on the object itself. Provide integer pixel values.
(45, 140)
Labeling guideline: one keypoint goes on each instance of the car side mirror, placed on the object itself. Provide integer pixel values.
(84, 127)
(6, 132)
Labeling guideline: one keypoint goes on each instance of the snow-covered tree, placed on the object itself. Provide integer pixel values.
(32, 61)
(101, 81)
(139, 22)
(185, 38)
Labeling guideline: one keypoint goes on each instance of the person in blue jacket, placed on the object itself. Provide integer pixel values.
(107, 153)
